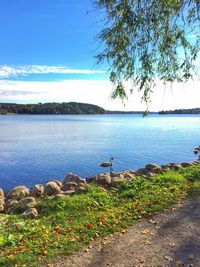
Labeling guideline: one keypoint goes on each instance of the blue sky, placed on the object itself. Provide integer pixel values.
(48, 32)
(47, 54)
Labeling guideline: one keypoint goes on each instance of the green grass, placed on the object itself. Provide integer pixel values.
(65, 226)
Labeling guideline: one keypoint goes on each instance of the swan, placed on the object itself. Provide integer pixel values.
(107, 164)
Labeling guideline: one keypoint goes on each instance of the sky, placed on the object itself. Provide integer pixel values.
(47, 54)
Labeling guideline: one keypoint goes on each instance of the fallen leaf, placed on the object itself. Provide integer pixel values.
(90, 225)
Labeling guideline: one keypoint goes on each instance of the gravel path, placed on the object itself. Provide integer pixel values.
(171, 238)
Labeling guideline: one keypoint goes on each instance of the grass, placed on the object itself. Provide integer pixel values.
(65, 226)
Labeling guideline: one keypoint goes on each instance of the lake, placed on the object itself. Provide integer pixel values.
(37, 148)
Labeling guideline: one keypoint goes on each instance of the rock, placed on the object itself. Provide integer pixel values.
(116, 180)
(70, 177)
(19, 192)
(81, 188)
(2, 205)
(195, 162)
(28, 202)
(82, 184)
(90, 180)
(69, 186)
(1, 193)
(142, 171)
(68, 193)
(151, 166)
(117, 174)
(156, 170)
(51, 188)
(186, 164)
(57, 182)
(104, 179)
(176, 167)
(11, 203)
(132, 172)
(164, 168)
(29, 214)
(129, 176)
(37, 190)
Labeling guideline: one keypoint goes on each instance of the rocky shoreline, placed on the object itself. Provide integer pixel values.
(27, 199)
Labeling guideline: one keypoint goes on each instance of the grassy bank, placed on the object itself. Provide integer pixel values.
(64, 226)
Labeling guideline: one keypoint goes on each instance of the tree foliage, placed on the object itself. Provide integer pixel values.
(148, 40)
(51, 108)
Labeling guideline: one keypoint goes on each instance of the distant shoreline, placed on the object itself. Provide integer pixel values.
(74, 108)
(180, 111)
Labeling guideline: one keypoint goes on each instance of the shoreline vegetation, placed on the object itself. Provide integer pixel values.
(181, 111)
(75, 108)
(69, 215)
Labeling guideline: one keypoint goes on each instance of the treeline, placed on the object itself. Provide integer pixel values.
(181, 111)
(51, 108)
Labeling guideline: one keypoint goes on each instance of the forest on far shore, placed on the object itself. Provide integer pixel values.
(51, 108)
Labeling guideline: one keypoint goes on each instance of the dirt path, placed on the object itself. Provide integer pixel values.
(171, 238)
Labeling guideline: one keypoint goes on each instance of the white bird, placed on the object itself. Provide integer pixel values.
(107, 164)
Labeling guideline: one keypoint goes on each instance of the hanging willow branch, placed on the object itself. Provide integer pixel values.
(145, 40)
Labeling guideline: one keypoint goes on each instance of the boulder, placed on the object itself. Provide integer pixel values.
(81, 188)
(116, 180)
(117, 174)
(37, 190)
(151, 166)
(141, 171)
(164, 168)
(132, 172)
(104, 179)
(129, 176)
(19, 193)
(90, 180)
(156, 170)
(186, 164)
(28, 202)
(69, 186)
(70, 177)
(176, 167)
(29, 214)
(57, 182)
(195, 162)
(51, 188)
(68, 193)
(1, 193)
(11, 203)
(2, 205)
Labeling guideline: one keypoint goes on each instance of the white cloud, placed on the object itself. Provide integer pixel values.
(12, 71)
(98, 92)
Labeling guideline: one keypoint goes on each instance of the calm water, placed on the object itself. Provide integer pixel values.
(34, 149)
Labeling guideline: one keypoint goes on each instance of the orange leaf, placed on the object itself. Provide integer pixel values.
(90, 225)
